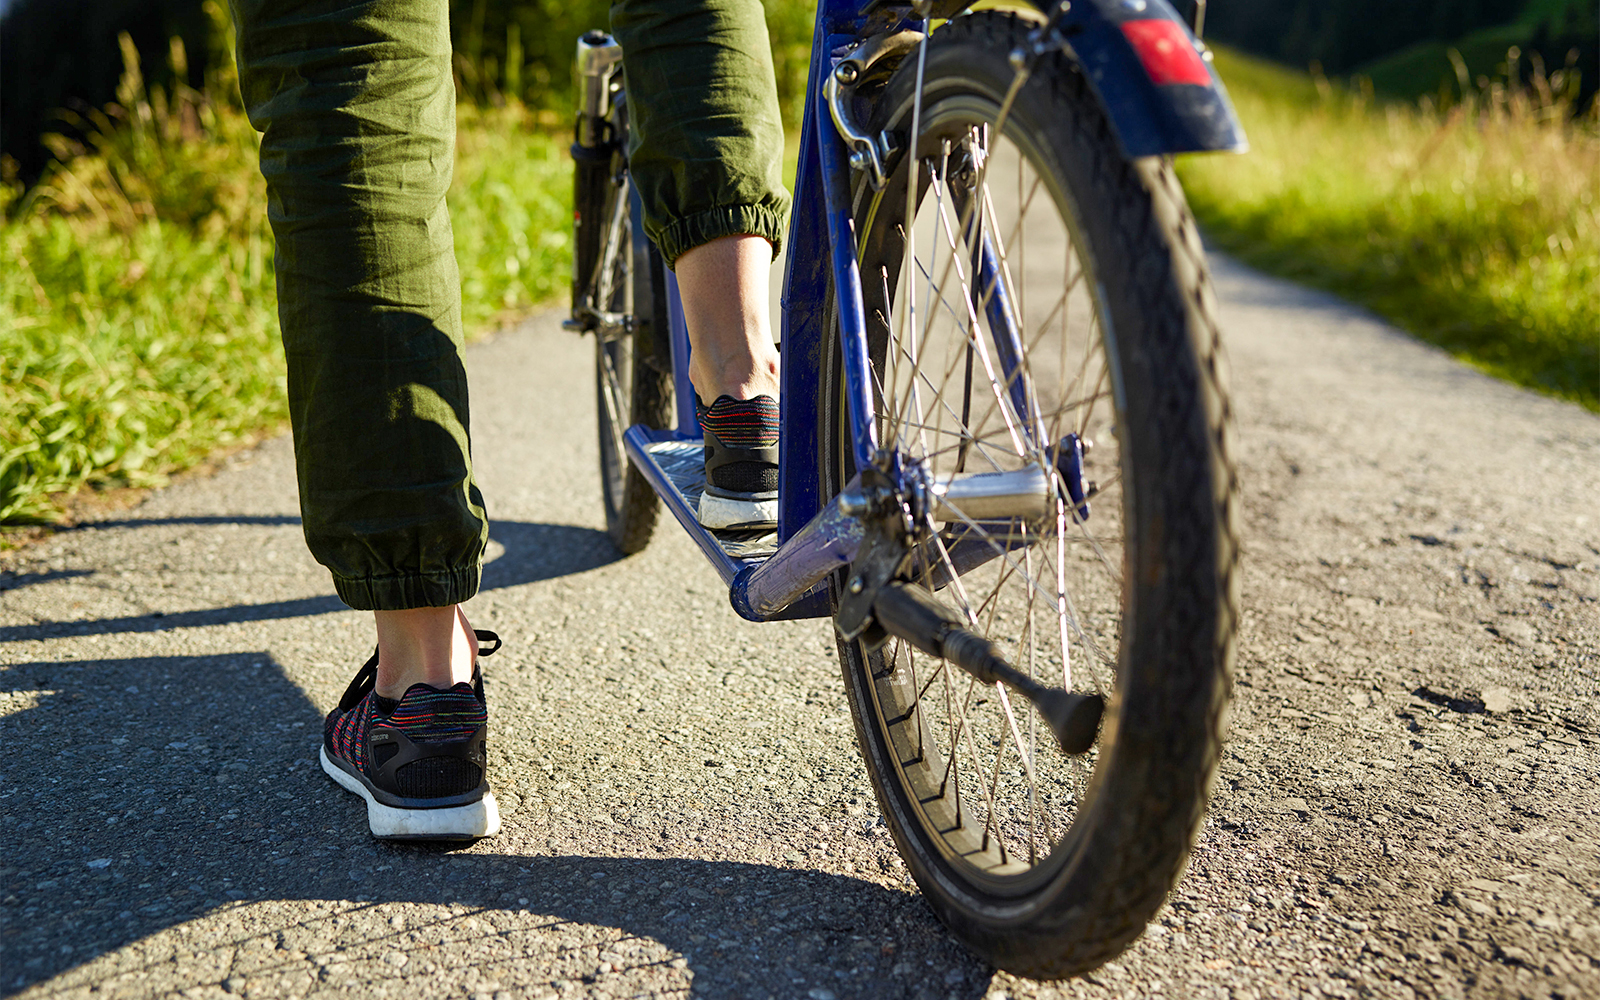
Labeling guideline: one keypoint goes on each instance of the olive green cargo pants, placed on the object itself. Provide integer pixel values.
(356, 104)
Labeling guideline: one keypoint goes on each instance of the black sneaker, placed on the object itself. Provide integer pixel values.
(419, 761)
(741, 438)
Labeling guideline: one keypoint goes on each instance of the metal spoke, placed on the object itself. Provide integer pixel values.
(965, 733)
(606, 264)
(985, 225)
(612, 394)
(982, 437)
(1001, 399)
(1048, 604)
(993, 819)
(1002, 553)
(913, 178)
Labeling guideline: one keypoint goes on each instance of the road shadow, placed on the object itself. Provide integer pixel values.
(271, 520)
(155, 793)
(532, 552)
(17, 581)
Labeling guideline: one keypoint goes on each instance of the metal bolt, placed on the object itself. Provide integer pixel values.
(853, 504)
(857, 585)
(846, 73)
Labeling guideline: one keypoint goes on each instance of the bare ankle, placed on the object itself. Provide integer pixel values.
(745, 376)
(433, 646)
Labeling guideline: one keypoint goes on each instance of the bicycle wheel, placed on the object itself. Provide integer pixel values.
(620, 292)
(1045, 864)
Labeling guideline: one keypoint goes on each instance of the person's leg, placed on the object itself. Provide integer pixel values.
(707, 157)
(706, 154)
(706, 143)
(725, 303)
(357, 108)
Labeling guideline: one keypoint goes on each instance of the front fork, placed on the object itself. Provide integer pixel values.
(595, 149)
(883, 523)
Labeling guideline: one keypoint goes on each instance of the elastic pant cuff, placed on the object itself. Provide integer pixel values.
(735, 220)
(412, 590)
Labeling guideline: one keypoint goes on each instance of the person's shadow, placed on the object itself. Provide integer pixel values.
(144, 793)
(531, 552)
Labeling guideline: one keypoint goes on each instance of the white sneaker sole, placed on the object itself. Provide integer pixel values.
(721, 513)
(468, 822)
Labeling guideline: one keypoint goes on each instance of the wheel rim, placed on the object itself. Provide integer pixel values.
(989, 789)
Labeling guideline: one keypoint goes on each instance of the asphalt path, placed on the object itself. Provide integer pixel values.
(1407, 807)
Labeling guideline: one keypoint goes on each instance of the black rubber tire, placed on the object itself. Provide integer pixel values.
(1140, 809)
(641, 392)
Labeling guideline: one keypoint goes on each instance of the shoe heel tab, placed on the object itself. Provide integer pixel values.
(363, 682)
(484, 635)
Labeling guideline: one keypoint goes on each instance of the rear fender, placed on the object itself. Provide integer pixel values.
(1154, 79)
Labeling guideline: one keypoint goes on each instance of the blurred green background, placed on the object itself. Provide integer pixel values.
(64, 53)
(1403, 45)
(1436, 161)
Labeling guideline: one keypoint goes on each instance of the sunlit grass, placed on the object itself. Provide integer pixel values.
(511, 208)
(138, 324)
(1476, 227)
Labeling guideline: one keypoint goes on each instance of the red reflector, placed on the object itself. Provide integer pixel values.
(1166, 52)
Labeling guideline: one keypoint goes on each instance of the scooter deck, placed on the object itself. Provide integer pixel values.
(675, 467)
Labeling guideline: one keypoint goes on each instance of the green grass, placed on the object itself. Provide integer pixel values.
(1476, 227)
(511, 208)
(138, 326)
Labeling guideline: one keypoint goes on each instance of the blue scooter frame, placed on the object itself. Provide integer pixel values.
(1157, 87)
